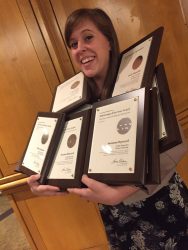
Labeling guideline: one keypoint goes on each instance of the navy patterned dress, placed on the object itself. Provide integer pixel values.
(158, 222)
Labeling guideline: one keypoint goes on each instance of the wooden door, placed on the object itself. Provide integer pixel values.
(28, 76)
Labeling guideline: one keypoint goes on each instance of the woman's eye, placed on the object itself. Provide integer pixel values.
(89, 37)
(73, 45)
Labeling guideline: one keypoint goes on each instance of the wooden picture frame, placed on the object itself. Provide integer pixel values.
(70, 94)
(119, 127)
(169, 135)
(137, 64)
(153, 156)
(66, 168)
(40, 145)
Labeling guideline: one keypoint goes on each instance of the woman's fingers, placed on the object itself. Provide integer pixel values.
(32, 180)
(93, 191)
(103, 193)
(92, 184)
(38, 189)
(84, 192)
(45, 190)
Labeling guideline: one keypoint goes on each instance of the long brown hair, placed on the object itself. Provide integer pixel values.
(104, 24)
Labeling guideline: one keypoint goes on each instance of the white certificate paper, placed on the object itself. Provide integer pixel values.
(132, 67)
(64, 164)
(68, 92)
(114, 138)
(39, 143)
(162, 129)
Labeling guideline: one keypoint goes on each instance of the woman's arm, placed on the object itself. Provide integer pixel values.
(95, 191)
(103, 193)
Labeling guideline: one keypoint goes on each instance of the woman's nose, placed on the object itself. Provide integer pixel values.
(81, 46)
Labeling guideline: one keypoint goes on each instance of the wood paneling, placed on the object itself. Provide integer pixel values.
(33, 61)
(39, 43)
(72, 221)
(21, 83)
(66, 223)
(182, 169)
(184, 9)
(53, 38)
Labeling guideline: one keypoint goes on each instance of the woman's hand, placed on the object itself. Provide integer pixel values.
(102, 193)
(45, 190)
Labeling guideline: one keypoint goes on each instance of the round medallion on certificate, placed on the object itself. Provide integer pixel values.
(45, 136)
(137, 62)
(75, 84)
(71, 141)
(124, 125)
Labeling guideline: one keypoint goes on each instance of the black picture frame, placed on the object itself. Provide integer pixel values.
(77, 157)
(141, 97)
(137, 64)
(70, 94)
(172, 136)
(153, 155)
(36, 148)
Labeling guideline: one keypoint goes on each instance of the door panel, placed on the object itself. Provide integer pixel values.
(28, 78)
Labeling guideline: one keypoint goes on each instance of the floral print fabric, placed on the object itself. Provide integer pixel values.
(158, 222)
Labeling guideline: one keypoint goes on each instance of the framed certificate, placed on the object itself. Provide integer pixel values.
(153, 170)
(41, 142)
(169, 134)
(117, 143)
(137, 64)
(66, 168)
(70, 94)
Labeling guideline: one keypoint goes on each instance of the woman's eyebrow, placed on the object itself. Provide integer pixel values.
(86, 30)
(82, 32)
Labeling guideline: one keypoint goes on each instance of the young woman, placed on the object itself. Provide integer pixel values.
(155, 217)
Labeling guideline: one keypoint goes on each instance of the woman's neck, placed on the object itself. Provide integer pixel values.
(99, 84)
(99, 88)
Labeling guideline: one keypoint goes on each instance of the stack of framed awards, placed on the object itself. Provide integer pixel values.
(116, 141)
(56, 147)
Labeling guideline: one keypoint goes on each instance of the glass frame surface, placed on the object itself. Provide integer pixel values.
(59, 118)
(139, 175)
(74, 97)
(149, 59)
(79, 156)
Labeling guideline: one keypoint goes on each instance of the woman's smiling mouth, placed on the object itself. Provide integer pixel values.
(87, 59)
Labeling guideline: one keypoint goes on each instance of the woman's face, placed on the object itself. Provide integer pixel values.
(90, 50)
